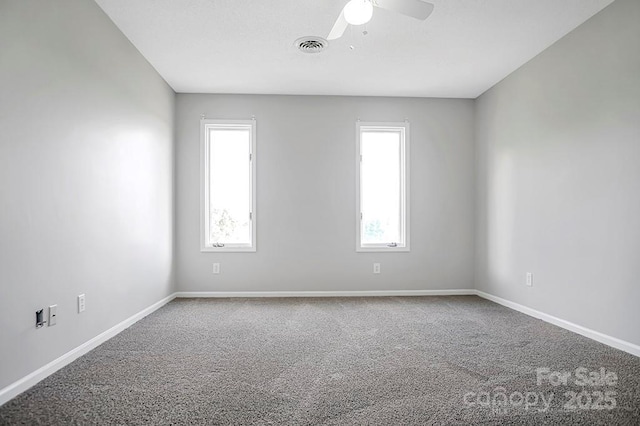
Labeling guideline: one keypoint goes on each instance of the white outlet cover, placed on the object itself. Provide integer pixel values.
(529, 279)
(216, 268)
(376, 268)
(81, 303)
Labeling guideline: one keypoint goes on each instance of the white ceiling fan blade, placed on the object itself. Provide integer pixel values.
(415, 8)
(339, 27)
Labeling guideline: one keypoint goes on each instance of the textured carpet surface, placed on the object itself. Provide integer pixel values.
(339, 361)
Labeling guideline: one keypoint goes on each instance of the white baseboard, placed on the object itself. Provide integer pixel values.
(364, 293)
(31, 379)
(592, 334)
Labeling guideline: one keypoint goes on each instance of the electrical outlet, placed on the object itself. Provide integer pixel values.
(376, 268)
(81, 303)
(529, 279)
(216, 268)
(53, 314)
(40, 318)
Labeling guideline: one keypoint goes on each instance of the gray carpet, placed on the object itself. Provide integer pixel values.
(335, 361)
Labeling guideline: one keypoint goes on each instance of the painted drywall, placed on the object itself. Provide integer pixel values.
(559, 178)
(86, 179)
(306, 195)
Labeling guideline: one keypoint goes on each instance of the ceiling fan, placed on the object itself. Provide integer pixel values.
(359, 12)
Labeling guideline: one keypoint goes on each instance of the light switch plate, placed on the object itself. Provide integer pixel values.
(53, 315)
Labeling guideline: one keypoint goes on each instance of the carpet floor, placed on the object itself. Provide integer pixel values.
(339, 361)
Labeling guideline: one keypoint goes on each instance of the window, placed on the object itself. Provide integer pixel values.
(383, 187)
(228, 198)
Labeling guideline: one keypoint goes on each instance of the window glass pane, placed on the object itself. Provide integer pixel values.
(230, 186)
(380, 189)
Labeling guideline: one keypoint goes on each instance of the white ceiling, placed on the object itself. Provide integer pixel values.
(247, 46)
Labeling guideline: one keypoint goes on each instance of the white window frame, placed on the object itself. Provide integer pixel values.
(404, 129)
(205, 126)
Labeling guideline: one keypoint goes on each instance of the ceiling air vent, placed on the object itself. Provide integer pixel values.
(311, 44)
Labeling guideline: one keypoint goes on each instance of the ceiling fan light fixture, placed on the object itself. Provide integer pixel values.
(358, 12)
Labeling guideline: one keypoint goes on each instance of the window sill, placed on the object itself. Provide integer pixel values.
(383, 249)
(227, 249)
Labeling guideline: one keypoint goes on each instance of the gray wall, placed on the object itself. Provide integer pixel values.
(559, 178)
(86, 179)
(306, 195)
